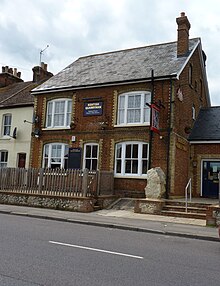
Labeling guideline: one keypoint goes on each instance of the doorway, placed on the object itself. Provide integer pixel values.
(210, 181)
(21, 160)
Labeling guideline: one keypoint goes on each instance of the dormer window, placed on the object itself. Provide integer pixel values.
(59, 113)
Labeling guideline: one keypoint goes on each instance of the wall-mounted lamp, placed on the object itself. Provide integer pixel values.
(36, 133)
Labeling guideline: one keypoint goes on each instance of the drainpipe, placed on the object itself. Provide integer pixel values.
(150, 131)
(168, 143)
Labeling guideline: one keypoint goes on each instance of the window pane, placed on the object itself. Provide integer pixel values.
(128, 166)
(94, 164)
(118, 166)
(144, 167)
(88, 151)
(144, 151)
(119, 151)
(122, 101)
(135, 151)
(94, 151)
(128, 151)
(134, 166)
(121, 115)
(137, 101)
(88, 163)
(131, 101)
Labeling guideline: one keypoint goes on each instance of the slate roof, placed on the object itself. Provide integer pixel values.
(17, 94)
(120, 66)
(207, 125)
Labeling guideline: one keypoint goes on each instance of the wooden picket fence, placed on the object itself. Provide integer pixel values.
(70, 182)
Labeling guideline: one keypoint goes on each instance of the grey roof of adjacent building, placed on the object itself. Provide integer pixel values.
(120, 66)
(207, 125)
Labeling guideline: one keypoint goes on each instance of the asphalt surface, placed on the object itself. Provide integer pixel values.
(123, 219)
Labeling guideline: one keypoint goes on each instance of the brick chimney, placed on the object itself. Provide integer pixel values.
(40, 73)
(9, 76)
(182, 35)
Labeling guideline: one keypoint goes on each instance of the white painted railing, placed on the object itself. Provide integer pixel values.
(188, 186)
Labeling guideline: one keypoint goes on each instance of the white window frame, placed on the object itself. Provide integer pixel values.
(66, 113)
(49, 158)
(90, 158)
(140, 159)
(145, 98)
(6, 126)
(4, 163)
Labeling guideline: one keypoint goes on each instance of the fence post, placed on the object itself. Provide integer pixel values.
(41, 176)
(85, 182)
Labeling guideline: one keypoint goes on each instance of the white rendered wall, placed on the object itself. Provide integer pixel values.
(22, 143)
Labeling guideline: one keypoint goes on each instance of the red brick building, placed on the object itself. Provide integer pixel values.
(101, 105)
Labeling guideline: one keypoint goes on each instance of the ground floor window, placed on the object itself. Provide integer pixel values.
(90, 156)
(55, 155)
(131, 159)
(3, 159)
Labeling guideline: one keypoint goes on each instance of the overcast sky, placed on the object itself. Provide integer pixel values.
(74, 28)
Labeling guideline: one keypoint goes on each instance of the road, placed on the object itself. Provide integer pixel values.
(51, 253)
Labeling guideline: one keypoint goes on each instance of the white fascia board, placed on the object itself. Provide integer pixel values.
(187, 60)
(205, 142)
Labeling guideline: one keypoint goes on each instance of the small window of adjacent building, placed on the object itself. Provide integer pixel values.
(131, 159)
(55, 155)
(132, 108)
(6, 124)
(59, 113)
(90, 156)
(193, 113)
(3, 158)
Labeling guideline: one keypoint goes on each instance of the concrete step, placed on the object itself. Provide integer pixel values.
(183, 209)
(183, 214)
(190, 204)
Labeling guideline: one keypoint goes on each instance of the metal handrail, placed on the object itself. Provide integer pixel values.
(189, 185)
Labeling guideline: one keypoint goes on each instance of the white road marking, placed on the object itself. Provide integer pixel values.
(96, 249)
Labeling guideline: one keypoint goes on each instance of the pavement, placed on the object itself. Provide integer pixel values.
(123, 219)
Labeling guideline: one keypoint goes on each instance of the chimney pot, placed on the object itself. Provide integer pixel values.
(3, 69)
(19, 74)
(15, 71)
(10, 70)
(182, 35)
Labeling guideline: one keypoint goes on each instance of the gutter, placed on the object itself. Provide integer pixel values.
(70, 88)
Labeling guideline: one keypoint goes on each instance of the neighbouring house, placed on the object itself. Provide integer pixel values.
(125, 112)
(16, 115)
(205, 153)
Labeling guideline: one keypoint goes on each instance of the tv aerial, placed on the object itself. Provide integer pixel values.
(41, 52)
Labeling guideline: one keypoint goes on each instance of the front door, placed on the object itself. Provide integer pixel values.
(21, 160)
(210, 182)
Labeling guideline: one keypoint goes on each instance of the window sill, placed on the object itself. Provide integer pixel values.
(133, 125)
(5, 138)
(139, 177)
(55, 128)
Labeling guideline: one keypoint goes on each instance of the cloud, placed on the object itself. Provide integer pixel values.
(74, 28)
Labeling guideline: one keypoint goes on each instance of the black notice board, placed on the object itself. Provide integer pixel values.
(75, 158)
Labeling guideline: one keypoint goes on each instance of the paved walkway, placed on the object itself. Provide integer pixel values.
(123, 219)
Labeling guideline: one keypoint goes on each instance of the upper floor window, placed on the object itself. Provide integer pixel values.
(131, 159)
(3, 159)
(55, 155)
(132, 108)
(6, 124)
(90, 158)
(59, 113)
